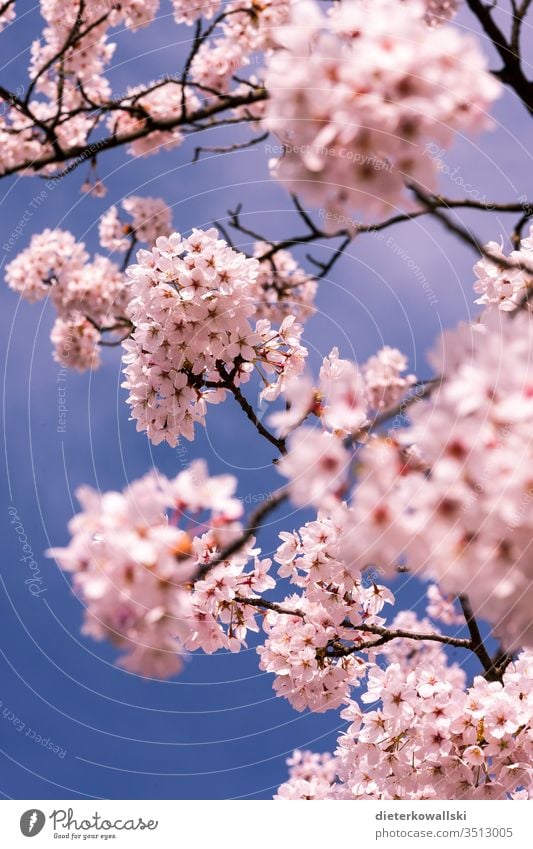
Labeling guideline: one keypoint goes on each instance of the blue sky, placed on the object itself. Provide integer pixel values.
(217, 731)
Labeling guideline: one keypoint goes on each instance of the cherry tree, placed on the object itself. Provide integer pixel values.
(426, 476)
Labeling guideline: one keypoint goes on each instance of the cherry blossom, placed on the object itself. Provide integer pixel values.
(49, 254)
(383, 378)
(221, 621)
(345, 394)
(466, 523)
(216, 63)
(90, 296)
(438, 741)
(151, 218)
(132, 555)
(351, 139)
(75, 342)
(504, 288)
(317, 465)
(191, 305)
(295, 650)
(256, 31)
(282, 287)
(158, 101)
(310, 777)
(312, 653)
(404, 480)
(440, 11)
(187, 11)
(441, 608)
(427, 738)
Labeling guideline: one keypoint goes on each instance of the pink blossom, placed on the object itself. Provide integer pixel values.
(317, 467)
(402, 84)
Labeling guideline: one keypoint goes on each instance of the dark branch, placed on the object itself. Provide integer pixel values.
(511, 72)
(228, 383)
(476, 640)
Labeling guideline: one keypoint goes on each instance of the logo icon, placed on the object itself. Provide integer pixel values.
(32, 822)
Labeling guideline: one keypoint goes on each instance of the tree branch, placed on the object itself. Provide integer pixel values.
(229, 383)
(254, 524)
(90, 149)
(511, 72)
(476, 641)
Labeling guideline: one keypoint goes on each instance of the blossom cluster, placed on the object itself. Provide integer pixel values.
(67, 68)
(68, 84)
(142, 107)
(344, 400)
(500, 287)
(458, 506)
(90, 296)
(148, 564)
(440, 11)
(221, 619)
(458, 744)
(311, 776)
(355, 95)
(133, 553)
(428, 738)
(188, 11)
(282, 287)
(69, 94)
(312, 653)
(192, 306)
(355, 91)
(244, 31)
(150, 218)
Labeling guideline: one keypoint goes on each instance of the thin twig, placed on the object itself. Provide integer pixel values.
(229, 383)
(231, 148)
(254, 524)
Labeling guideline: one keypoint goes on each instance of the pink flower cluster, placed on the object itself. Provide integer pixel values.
(317, 463)
(133, 554)
(282, 287)
(148, 565)
(317, 467)
(311, 653)
(221, 622)
(192, 304)
(356, 95)
(346, 394)
(310, 776)
(459, 507)
(86, 294)
(67, 66)
(384, 380)
(442, 608)
(151, 218)
(90, 296)
(152, 103)
(505, 288)
(437, 12)
(76, 342)
(67, 72)
(188, 11)
(440, 11)
(428, 738)
(244, 30)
